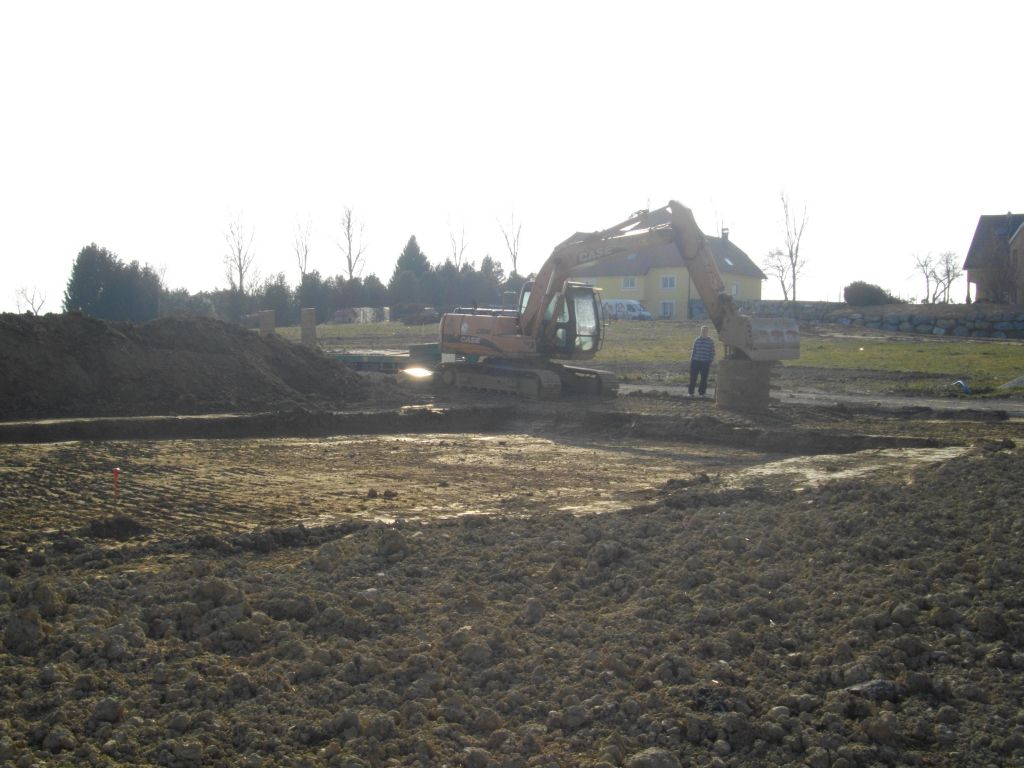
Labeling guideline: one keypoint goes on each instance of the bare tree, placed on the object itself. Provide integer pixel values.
(238, 261)
(777, 265)
(926, 266)
(300, 244)
(30, 301)
(458, 246)
(351, 244)
(939, 275)
(512, 240)
(947, 272)
(794, 234)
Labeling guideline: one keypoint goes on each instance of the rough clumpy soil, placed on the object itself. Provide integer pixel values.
(867, 621)
(71, 365)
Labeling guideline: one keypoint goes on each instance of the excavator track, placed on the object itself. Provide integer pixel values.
(529, 383)
(588, 382)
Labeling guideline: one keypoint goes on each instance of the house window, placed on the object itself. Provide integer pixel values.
(668, 309)
(668, 282)
(629, 283)
(734, 289)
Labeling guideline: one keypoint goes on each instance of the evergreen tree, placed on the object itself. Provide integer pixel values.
(349, 293)
(276, 294)
(404, 292)
(408, 288)
(490, 281)
(179, 303)
(412, 259)
(375, 293)
(103, 286)
(446, 289)
(317, 293)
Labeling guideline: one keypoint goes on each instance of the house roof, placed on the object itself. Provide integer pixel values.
(728, 258)
(992, 239)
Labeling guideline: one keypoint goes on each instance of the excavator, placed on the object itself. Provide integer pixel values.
(531, 350)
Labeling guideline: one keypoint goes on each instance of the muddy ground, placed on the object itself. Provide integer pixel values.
(647, 581)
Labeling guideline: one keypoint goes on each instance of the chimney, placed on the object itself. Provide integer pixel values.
(725, 233)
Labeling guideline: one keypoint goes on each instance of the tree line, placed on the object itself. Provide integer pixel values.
(104, 286)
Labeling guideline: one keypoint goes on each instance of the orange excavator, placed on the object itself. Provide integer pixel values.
(530, 351)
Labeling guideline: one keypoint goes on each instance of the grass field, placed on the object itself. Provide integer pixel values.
(664, 346)
(990, 360)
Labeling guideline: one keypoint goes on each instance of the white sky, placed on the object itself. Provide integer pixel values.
(146, 127)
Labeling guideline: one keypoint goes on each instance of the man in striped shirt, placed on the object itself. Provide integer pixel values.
(700, 360)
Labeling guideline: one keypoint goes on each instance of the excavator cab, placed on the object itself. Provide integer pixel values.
(572, 326)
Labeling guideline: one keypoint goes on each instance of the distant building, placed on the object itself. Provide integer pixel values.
(657, 277)
(995, 261)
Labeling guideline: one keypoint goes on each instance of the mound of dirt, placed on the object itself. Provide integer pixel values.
(71, 365)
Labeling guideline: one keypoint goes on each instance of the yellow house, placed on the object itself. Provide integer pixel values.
(657, 277)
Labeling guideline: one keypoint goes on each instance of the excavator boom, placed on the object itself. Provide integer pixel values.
(583, 248)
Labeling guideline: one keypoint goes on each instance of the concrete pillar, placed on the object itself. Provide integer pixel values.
(309, 327)
(743, 385)
(266, 322)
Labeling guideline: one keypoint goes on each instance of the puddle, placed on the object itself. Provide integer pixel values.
(812, 471)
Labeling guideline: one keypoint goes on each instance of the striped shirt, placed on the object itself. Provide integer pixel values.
(703, 350)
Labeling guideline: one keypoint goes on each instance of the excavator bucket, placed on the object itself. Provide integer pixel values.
(774, 339)
(763, 338)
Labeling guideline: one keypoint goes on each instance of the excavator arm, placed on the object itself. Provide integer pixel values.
(751, 338)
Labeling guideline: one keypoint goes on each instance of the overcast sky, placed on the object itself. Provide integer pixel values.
(147, 127)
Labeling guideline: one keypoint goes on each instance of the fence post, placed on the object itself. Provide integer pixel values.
(309, 327)
(266, 322)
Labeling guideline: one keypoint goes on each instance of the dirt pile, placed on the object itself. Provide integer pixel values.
(71, 365)
(868, 621)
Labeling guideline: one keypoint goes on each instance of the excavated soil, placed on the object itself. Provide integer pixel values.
(641, 582)
(71, 365)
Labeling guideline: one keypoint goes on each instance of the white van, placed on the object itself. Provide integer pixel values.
(626, 309)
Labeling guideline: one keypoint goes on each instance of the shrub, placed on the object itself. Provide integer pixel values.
(861, 294)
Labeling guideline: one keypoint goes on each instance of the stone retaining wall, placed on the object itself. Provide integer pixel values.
(990, 321)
